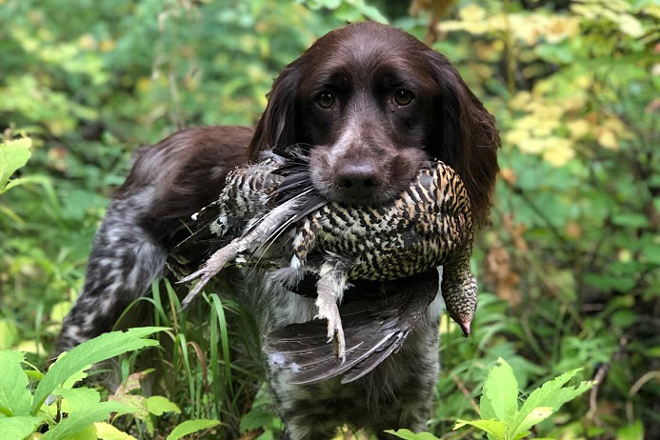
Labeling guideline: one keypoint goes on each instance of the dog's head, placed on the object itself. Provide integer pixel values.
(373, 104)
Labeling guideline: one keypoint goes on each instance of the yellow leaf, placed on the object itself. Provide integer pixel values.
(106, 45)
(517, 136)
(87, 41)
(60, 310)
(607, 139)
(106, 431)
(520, 100)
(533, 145)
(630, 25)
(472, 12)
(560, 28)
(578, 128)
(559, 154)
(544, 127)
(143, 84)
(617, 126)
(31, 347)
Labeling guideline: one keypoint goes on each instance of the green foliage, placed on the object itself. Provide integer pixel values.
(190, 426)
(78, 412)
(500, 416)
(96, 350)
(24, 411)
(13, 155)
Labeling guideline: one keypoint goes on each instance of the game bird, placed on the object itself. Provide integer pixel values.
(269, 215)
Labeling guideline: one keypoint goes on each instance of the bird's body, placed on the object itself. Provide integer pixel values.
(275, 220)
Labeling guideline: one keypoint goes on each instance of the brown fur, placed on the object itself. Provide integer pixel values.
(363, 65)
(187, 170)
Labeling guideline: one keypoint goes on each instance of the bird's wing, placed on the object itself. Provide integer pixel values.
(373, 330)
(291, 177)
(201, 241)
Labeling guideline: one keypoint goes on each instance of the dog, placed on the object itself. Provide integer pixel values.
(370, 104)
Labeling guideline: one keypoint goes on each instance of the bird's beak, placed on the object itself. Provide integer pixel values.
(465, 326)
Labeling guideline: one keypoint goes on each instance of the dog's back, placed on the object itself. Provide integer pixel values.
(167, 183)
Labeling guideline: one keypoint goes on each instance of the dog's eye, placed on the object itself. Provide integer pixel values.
(403, 97)
(325, 99)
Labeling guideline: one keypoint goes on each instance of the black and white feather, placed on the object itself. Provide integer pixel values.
(270, 216)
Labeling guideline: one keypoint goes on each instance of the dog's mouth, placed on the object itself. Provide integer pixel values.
(374, 198)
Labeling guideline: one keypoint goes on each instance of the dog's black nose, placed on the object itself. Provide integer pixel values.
(359, 179)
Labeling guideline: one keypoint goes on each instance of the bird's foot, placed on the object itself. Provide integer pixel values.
(212, 266)
(328, 309)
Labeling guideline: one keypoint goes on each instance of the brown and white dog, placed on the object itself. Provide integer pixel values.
(370, 104)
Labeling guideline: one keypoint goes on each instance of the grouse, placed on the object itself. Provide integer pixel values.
(270, 215)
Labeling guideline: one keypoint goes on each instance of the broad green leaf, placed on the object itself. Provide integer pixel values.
(409, 435)
(158, 405)
(77, 398)
(190, 426)
(255, 419)
(536, 416)
(495, 428)
(106, 431)
(549, 395)
(81, 419)
(633, 431)
(14, 396)
(500, 395)
(18, 427)
(13, 155)
(87, 433)
(75, 377)
(95, 350)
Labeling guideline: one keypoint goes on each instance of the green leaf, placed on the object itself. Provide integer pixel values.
(633, 431)
(80, 420)
(536, 416)
(95, 350)
(550, 396)
(18, 427)
(158, 405)
(76, 377)
(14, 396)
(409, 435)
(500, 395)
(77, 398)
(106, 431)
(609, 282)
(632, 220)
(255, 419)
(496, 428)
(87, 433)
(13, 155)
(8, 334)
(190, 426)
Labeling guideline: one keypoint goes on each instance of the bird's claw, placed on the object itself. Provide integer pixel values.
(212, 266)
(328, 310)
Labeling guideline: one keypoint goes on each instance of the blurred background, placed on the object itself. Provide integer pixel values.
(569, 271)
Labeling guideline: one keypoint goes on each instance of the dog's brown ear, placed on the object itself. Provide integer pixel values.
(468, 140)
(278, 125)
